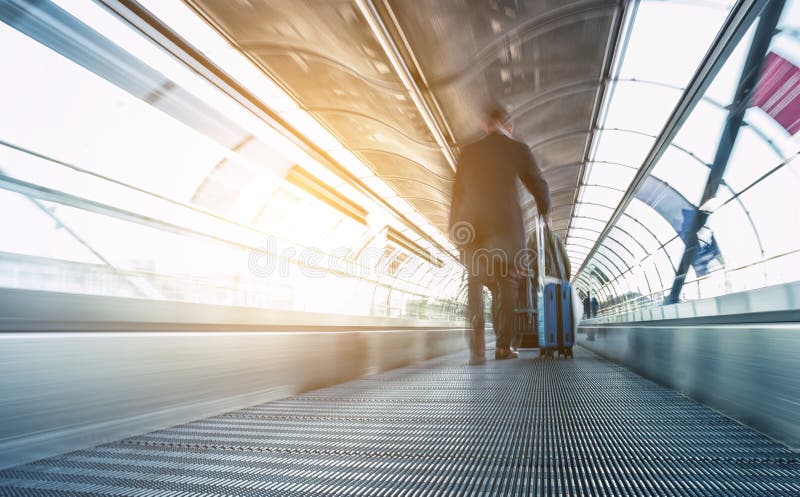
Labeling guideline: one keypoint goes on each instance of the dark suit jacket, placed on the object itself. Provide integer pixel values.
(485, 194)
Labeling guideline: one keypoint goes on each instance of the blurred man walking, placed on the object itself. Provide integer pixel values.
(486, 225)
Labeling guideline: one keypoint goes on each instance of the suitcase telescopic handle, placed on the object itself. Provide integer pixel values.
(540, 277)
(540, 251)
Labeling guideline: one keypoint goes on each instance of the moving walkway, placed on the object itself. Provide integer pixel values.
(525, 427)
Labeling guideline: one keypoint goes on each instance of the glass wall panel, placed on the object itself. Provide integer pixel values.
(601, 195)
(642, 235)
(622, 251)
(773, 207)
(594, 211)
(753, 156)
(731, 227)
(605, 173)
(580, 244)
(655, 23)
(700, 134)
(588, 223)
(656, 65)
(615, 262)
(674, 250)
(571, 249)
(747, 236)
(622, 147)
(624, 237)
(631, 96)
(586, 234)
(649, 217)
(683, 173)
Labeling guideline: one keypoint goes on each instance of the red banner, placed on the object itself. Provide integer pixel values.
(778, 92)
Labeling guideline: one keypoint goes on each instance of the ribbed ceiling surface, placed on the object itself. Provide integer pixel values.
(541, 59)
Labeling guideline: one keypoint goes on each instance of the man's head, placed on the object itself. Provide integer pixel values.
(497, 119)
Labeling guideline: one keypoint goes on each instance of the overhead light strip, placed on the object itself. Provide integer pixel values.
(381, 33)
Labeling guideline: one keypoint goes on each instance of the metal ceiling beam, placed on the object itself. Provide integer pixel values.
(407, 69)
(741, 17)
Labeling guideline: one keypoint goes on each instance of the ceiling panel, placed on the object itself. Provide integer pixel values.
(540, 59)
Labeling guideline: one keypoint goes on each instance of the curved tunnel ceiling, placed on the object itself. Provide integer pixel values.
(544, 60)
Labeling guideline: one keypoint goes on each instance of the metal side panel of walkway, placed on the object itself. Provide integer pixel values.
(524, 427)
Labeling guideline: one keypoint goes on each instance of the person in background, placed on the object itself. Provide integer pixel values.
(486, 225)
(595, 307)
(587, 306)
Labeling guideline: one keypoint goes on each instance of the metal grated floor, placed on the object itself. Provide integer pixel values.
(525, 427)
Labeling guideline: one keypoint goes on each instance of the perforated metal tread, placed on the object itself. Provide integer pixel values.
(524, 427)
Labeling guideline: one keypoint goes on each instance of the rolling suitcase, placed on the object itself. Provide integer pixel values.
(548, 322)
(546, 300)
(555, 321)
(566, 328)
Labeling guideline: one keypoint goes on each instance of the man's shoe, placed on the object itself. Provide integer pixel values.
(503, 354)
